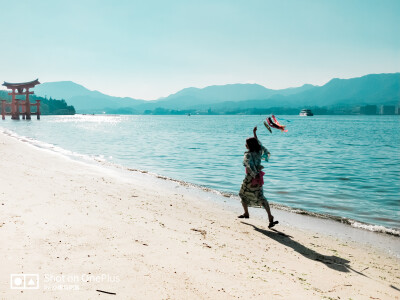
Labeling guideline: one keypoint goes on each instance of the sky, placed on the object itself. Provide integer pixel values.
(151, 49)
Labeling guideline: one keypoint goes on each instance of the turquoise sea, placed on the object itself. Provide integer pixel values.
(337, 166)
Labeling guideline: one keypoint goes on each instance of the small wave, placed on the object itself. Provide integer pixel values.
(374, 228)
(347, 221)
(52, 147)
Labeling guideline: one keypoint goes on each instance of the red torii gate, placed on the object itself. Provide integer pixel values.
(15, 105)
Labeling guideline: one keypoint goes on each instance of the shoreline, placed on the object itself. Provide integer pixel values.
(375, 228)
(165, 240)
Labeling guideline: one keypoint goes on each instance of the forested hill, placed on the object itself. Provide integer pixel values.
(47, 106)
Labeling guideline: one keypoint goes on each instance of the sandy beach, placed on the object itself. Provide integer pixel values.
(87, 229)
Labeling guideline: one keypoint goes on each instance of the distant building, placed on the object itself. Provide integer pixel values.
(387, 110)
(356, 110)
(368, 110)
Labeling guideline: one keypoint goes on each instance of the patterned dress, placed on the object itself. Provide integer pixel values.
(252, 194)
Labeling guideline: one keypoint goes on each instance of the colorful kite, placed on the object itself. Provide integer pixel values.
(275, 124)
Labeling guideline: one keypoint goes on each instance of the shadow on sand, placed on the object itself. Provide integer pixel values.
(332, 261)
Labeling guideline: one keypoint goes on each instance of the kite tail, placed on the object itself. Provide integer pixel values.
(266, 125)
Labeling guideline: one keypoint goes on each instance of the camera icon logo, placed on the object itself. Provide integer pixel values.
(24, 281)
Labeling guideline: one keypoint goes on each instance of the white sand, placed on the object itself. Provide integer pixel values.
(60, 217)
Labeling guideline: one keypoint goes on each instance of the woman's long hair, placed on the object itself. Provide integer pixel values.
(253, 145)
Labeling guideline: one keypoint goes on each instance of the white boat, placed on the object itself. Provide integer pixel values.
(306, 113)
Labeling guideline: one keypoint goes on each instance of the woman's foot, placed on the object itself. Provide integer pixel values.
(244, 216)
(272, 223)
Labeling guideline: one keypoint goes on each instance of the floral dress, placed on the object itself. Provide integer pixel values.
(251, 192)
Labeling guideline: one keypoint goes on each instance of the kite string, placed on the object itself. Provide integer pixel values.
(258, 124)
(283, 119)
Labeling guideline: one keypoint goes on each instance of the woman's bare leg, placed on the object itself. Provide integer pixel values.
(270, 216)
(246, 210)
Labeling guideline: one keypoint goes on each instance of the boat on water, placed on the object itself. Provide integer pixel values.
(306, 113)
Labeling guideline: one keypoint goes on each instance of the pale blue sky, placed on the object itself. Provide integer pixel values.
(150, 49)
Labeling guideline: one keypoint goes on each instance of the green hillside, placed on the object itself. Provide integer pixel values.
(47, 106)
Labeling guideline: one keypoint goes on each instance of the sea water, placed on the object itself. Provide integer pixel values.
(337, 166)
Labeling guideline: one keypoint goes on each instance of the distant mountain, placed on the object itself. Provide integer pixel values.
(375, 89)
(62, 90)
(85, 100)
(370, 89)
(381, 89)
(220, 93)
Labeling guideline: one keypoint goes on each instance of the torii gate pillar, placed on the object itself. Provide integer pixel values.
(21, 89)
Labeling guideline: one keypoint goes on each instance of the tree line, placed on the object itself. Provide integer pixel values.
(47, 106)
